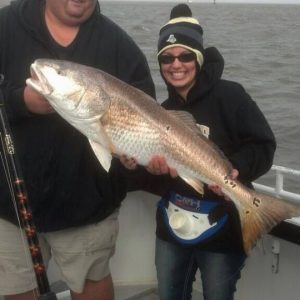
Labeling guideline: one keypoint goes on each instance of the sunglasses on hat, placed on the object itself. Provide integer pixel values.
(169, 59)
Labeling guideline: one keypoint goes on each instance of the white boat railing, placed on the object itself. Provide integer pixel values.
(278, 190)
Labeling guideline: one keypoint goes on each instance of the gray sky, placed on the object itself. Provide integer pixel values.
(224, 1)
(260, 1)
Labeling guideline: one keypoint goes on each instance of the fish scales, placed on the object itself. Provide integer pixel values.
(152, 130)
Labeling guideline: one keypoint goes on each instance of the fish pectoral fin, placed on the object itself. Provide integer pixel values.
(101, 143)
(260, 217)
(103, 154)
(195, 183)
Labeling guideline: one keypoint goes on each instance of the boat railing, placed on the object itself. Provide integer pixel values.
(278, 190)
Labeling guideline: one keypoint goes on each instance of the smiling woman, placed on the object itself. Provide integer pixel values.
(227, 115)
(179, 67)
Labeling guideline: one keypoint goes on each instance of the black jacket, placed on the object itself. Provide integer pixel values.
(66, 184)
(238, 127)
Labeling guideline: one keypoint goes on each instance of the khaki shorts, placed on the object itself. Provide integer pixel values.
(80, 253)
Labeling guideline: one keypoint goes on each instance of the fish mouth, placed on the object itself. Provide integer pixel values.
(38, 81)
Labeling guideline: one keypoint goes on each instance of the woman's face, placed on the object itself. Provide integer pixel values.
(178, 66)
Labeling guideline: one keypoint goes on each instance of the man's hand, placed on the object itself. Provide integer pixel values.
(158, 166)
(217, 190)
(128, 162)
(36, 103)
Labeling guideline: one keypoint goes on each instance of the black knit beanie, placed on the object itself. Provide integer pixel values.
(182, 31)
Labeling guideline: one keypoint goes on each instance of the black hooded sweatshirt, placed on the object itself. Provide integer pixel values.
(238, 127)
(66, 184)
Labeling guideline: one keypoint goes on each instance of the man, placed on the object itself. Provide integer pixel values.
(74, 201)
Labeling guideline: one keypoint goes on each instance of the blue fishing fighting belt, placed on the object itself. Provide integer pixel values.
(188, 219)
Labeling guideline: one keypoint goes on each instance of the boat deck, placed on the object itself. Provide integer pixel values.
(128, 292)
(140, 292)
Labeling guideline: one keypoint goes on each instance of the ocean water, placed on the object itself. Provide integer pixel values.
(261, 47)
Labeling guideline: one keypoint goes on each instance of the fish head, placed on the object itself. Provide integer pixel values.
(72, 89)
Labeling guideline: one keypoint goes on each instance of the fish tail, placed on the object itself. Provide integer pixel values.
(262, 214)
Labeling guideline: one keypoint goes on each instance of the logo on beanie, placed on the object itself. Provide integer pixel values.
(171, 39)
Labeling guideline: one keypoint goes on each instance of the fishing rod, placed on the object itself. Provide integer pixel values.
(21, 202)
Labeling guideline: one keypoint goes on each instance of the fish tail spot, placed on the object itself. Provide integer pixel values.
(233, 185)
(256, 202)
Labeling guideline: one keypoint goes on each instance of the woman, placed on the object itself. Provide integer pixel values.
(228, 116)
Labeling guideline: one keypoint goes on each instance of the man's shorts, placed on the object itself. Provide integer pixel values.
(80, 253)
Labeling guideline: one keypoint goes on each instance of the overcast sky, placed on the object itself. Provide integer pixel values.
(236, 1)
(258, 1)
